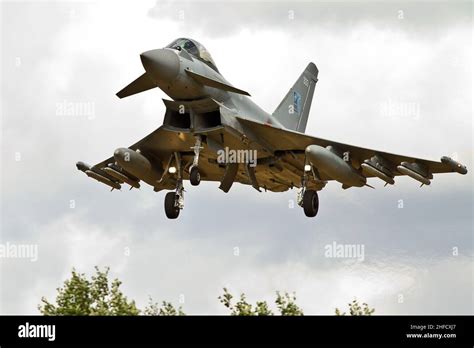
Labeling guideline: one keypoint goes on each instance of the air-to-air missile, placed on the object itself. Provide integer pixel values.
(416, 171)
(378, 167)
(121, 177)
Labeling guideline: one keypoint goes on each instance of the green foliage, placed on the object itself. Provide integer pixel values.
(356, 309)
(285, 304)
(261, 308)
(98, 296)
(166, 308)
(80, 296)
(242, 307)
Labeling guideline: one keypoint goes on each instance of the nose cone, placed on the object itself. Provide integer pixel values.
(161, 64)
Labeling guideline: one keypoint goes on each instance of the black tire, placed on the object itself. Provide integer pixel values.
(172, 211)
(310, 203)
(194, 176)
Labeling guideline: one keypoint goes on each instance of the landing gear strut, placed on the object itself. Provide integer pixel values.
(194, 175)
(174, 201)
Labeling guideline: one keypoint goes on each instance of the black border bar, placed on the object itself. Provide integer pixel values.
(141, 330)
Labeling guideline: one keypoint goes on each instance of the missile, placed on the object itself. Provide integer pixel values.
(121, 177)
(103, 179)
(82, 166)
(404, 169)
(136, 164)
(381, 164)
(335, 167)
(456, 166)
(368, 169)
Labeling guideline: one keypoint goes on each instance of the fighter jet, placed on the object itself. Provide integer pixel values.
(213, 131)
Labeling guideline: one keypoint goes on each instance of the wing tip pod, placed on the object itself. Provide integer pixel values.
(455, 166)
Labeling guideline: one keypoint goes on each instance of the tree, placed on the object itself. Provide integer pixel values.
(356, 309)
(166, 308)
(97, 296)
(285, 304)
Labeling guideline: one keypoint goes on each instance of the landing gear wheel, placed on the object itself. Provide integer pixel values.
(310, 203)
(194, 176)
(171, 207)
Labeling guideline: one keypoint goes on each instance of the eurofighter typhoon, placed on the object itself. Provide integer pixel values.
(213, 131)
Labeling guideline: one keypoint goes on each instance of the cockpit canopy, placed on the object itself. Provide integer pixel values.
(195, 49)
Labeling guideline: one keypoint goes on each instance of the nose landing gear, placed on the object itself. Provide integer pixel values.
(194, 175)
(174, 201)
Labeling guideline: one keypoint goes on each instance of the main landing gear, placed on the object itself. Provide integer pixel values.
(309, 201)
(307, 198)
(174, 201)
(171, 206)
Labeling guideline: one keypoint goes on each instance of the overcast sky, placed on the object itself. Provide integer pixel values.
(393, 76)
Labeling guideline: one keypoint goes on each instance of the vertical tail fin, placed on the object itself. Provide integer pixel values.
(293, 110)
